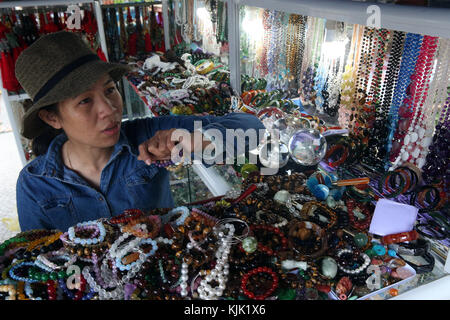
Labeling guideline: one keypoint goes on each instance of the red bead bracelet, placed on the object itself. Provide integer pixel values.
(277, 231)
(127, 216)
(252, 272)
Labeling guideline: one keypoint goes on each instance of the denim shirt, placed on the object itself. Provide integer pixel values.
(51, 196)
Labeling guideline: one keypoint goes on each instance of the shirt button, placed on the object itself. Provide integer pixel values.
(100, 198)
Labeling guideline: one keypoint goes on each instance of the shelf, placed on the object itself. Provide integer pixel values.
(19, 97)
(420, 20)
(131, 4)
(48, 3)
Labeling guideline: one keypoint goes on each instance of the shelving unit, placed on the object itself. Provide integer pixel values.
(6, 96)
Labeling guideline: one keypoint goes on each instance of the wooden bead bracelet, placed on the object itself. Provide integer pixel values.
(309, 208)
(354, 222)
(276, 231)
(127, 216)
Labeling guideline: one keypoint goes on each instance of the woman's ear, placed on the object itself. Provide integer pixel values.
(50, 118)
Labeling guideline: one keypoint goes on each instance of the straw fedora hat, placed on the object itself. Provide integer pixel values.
(56, 67)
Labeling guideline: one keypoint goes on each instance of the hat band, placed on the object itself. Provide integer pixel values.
(51, 83)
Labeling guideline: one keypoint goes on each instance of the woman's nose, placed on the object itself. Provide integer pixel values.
(106, 107)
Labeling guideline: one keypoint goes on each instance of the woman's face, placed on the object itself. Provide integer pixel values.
(94, 117)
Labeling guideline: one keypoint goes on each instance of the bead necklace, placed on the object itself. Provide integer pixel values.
(435, 99)
(435, 168)
(309, 23)
(266, 24)
(310, 61)
(220, 271)
(375, 96)
(411, 50)
(392, 75)
(363, 73)
(274, 52)
(419, 91)
(294, 43)
(348, 89)
(335, 82)
(300, 42)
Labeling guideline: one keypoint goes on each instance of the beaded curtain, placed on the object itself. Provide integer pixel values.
(387, 87)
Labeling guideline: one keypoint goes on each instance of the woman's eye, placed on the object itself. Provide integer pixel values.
(85, 101)
(110, 90)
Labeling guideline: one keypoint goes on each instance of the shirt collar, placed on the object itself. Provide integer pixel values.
(53, 164)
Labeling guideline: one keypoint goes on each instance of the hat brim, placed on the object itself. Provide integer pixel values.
(72, 85)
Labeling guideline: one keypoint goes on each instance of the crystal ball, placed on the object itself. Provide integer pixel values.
(285, 129)
(307, 147)
(274, 155)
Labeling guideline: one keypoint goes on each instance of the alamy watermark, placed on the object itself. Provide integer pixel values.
(374, 18)
(226, 149)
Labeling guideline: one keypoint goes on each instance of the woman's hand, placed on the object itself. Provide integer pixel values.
(159, 147)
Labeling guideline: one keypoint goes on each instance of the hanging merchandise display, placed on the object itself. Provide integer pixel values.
(200, 24)
(20, 28)
(133, 30)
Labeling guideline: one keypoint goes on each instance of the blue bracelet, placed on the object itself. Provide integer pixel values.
(180, 221)
(17, 278)
(123, 267)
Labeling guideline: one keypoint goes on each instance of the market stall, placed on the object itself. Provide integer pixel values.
(357, 204)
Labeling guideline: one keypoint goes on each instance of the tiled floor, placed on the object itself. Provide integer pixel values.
(10, 167)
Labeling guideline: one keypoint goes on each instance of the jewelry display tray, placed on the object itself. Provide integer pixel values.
(381, 291)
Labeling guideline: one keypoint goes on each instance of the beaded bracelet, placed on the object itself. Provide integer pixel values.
(45, 240)
(239, 238)
(174, 212)
(296, 225)
(45, 259)
(85, 226)
(252, 272)
(127, 216)
(309, 208)
(355, 223)
(13, 276)
(276, 231)
(13, 240)
(154, 221)
(357, 270)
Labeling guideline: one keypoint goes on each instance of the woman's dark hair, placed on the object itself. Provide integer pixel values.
(40, 144)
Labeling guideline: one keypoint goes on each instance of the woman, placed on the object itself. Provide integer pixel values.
(90, 164)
